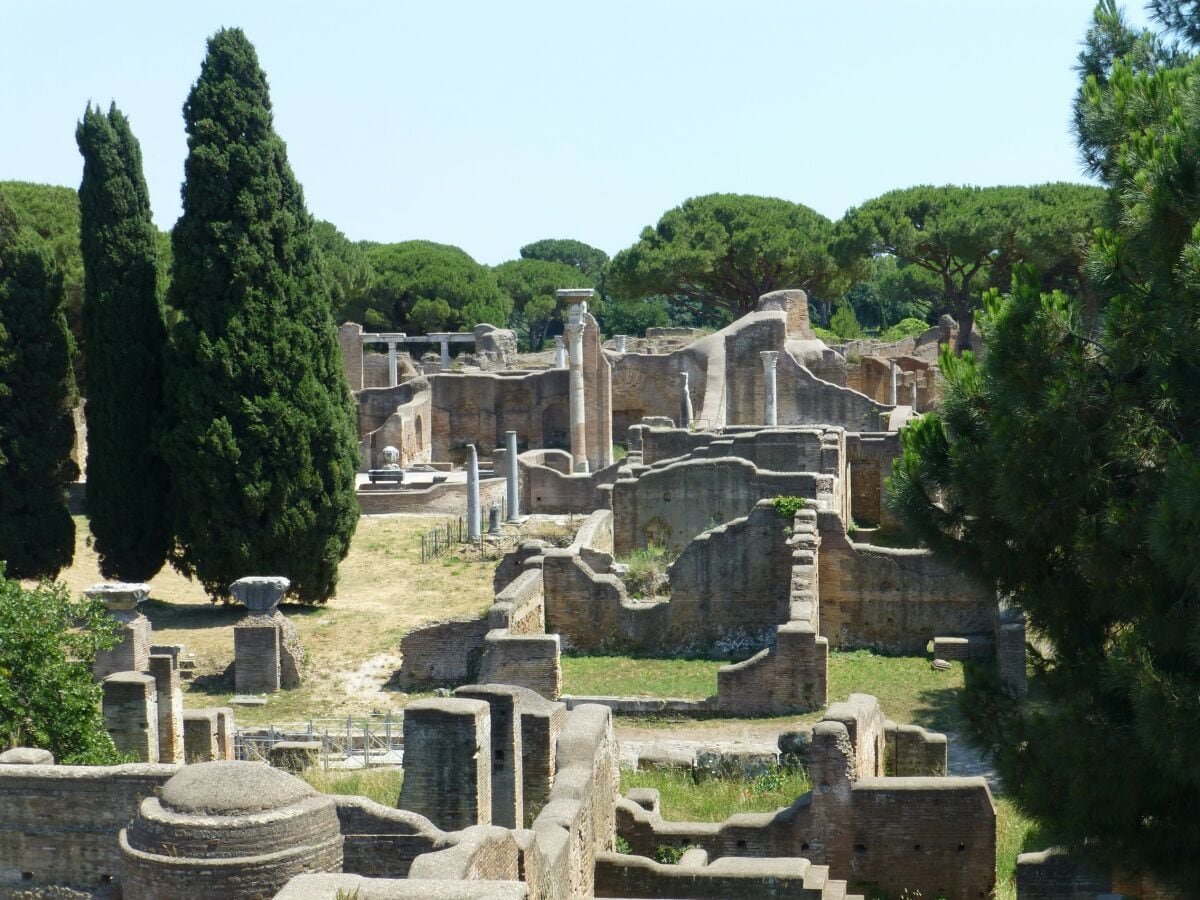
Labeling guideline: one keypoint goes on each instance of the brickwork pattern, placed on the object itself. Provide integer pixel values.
(131, 714)
(447, 754)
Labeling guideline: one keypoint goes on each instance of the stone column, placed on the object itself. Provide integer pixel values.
(393, 378)
(620, 340)
(895, 383)
(472, 493)
(510, 466)
(913, 396)
(577, 299)
(771, 412)
(445, 355)
(131, 653)
(560, 352)
(685, 401)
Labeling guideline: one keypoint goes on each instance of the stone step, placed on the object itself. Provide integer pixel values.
(816, 878)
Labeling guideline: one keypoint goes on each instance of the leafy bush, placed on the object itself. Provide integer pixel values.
(670, 856)
(826, 335)
(789, 506)
(844, 323)
(905, 328)
(48, 698)
(647, 572)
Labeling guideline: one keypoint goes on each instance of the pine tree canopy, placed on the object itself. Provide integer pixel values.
(1064, 470)
(260, 435)
(124, 339)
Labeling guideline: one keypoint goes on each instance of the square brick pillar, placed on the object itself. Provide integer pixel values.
(131, 714)
(225, 729)
(447, 762)
(200, 735)
(507, 777)
(169, 689)
(256, 658)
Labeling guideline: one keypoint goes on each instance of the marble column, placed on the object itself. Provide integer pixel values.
(577, 299)
(560, 352)
(473, 523)
(393, 378)
(685, 401)
(912, 390)
(770, 397)
(445, 355)
(621, 341)
(895, 383)
(510, 466)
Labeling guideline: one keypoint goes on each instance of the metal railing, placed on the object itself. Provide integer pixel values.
(345, 743)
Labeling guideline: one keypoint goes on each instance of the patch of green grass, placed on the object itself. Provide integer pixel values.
(683, 800)
(910, 691)
(627, 676)
(381, 785)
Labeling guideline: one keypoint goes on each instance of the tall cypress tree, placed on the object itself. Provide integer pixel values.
(124, 338)
(260, 427)
(37, 392)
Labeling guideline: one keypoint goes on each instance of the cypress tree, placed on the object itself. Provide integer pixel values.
(124, 338)
(37, 393)
(260, 431)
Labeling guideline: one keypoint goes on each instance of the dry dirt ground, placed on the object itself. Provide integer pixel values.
(352, 642)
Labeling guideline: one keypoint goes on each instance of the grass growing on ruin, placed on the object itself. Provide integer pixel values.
(381, 785)
(352, 641)
(627, 676)
(647, 573)
(714, 800)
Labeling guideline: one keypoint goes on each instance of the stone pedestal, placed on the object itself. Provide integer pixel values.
(770, 359)
(256, 657)
(447, 762)
(131, 653)
(131, 714)
(266, 652)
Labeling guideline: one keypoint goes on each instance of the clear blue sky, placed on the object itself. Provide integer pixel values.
(492, 124)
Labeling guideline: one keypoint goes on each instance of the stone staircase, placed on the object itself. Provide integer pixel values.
(817, 878)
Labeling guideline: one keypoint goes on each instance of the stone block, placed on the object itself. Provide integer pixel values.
(199, 735)
(169, 694)
(295, 756)
(951, 648)
(256, 667)
(26, 756)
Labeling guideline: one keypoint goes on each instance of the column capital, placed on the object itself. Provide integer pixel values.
(769, 357)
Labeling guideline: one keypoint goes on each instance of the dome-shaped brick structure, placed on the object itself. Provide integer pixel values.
(228, 829)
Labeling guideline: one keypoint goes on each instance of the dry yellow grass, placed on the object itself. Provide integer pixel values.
(352, 642)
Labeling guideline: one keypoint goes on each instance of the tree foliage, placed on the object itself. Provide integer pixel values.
(260, 427)
(412, 271)
(124, 338)
(48, 698)
(726, 250)
(347, 269)
(635, 316)
(970, 238)
(587, 260)
(1064, 470)
(37, 394)
(530, 283)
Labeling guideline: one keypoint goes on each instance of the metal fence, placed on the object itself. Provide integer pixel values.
(438, 540)
(345, 743)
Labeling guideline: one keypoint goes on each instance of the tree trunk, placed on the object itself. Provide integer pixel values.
(966, 321)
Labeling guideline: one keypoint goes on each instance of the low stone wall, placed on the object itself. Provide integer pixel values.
(530, 660)
(338, 887)
(927, 834)
(894, 600)
(382, 842)
(578, 820)
(480, 853)
(440, 499)
(546, 490)
(618, 875)
(442, 654)
(59, 824)
(870, 457)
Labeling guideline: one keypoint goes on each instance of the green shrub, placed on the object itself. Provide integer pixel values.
(789, 506)
(826, 335)
(647, 570)
(905, 328)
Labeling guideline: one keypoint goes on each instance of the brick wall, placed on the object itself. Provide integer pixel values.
(59, 823)
(442, 653)
(531, 661)
(447, 753)
(131, 714)
(131, 653)
(256, 657)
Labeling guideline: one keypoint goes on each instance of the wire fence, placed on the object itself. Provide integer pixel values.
(438, 540)
(345, 743)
